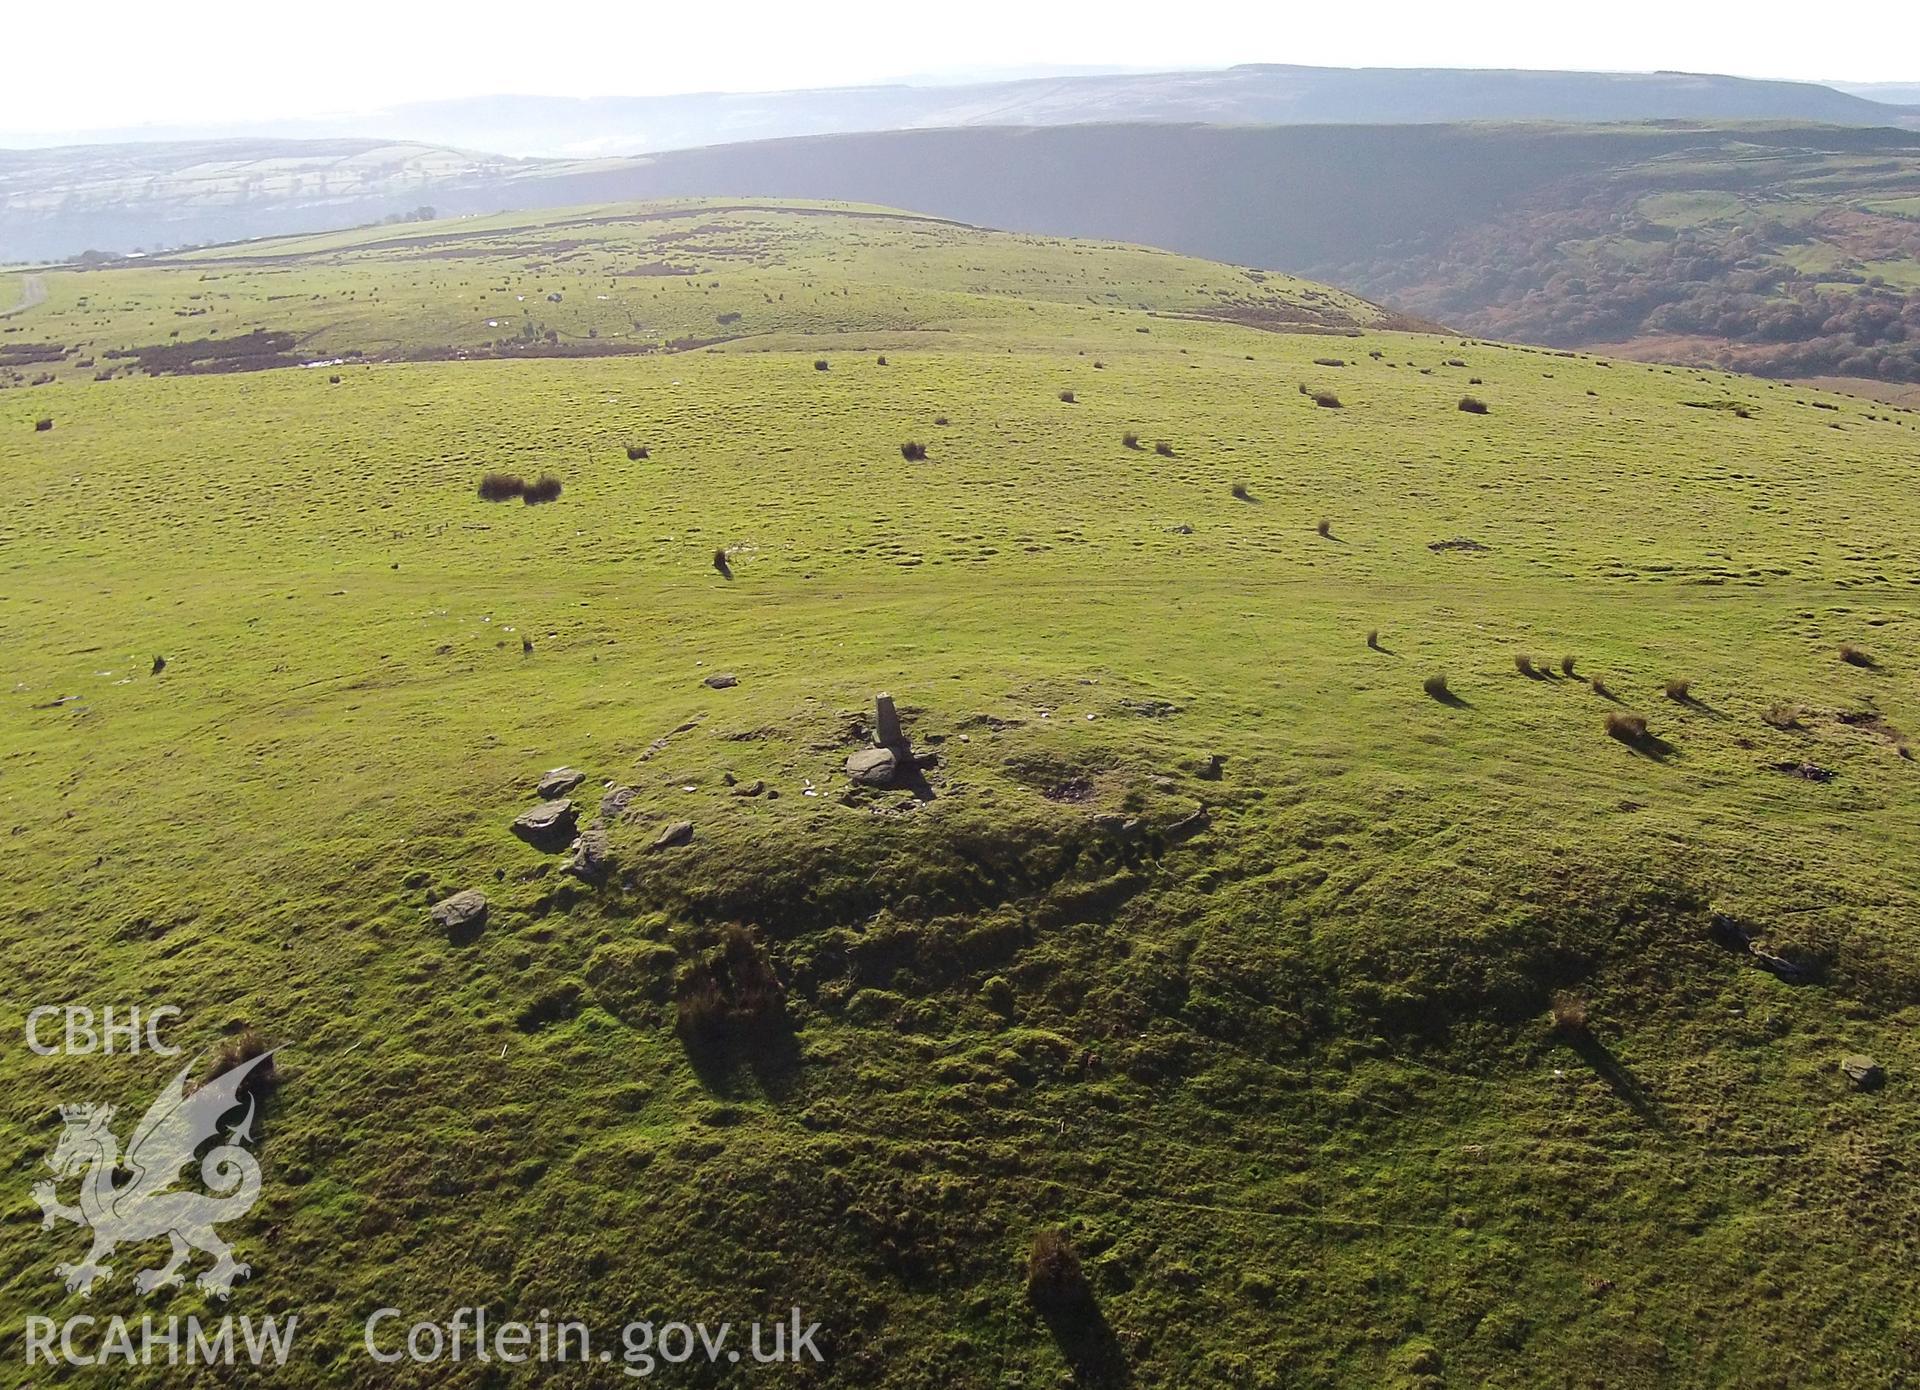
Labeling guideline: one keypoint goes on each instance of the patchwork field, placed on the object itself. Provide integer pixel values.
(1356, 1028)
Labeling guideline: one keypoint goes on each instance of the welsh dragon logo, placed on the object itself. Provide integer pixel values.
(148, 1205)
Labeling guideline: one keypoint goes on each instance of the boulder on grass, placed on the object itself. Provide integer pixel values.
(1863, 1071)
(873, 767)
(464, 911)
(559, 782)
(678, 833)
(548, 826)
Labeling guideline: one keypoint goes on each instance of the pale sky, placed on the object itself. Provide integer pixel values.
(129, 62)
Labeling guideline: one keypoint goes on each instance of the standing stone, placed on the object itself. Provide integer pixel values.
(887, 723)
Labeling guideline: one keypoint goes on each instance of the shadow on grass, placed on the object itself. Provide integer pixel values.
(1087, 1343)
(1448, 698)
(766, 1063)
(911, 778)
(1650, 746)
(1620, 1081)
(1699, 706)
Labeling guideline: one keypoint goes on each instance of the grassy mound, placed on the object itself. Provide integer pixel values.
(1214, 1007)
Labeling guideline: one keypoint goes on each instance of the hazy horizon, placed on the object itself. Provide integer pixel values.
(231, 67)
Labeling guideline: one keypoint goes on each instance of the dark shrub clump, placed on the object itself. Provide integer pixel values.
(1854, 656)
(237, 1051)
(913, 451)
(1436, 685)
(502, 487)
(1628, 728)
(1067, 397)
(43, 425)
(1473, 405)
(1569, 1013)
(545, 488)
(1326, 400)
(1130, 440)
(1680, 691)
(1162, 448)
(720, 563)
(729, 997)
(1055, 1280)
(819, 364)
(636, 452)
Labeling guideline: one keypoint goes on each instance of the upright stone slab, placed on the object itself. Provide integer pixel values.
(886, 723)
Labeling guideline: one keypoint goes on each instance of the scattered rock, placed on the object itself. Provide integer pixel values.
(548, 826)
(873, 767)
(1188, 826)
(1149, 709)
(464, 911)
(1865, 1073)
(558, 782)
(721, 681)
(679, 833)
(1727, 931)
(1787, 971)
(615, 802)
(1806, 772)
(1208, 768)
(753, 788)
(590, 857)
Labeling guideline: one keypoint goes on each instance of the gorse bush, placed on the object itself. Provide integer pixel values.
(913, 451)
(1326, 400)
(1567, 664)
(636, 452)
(1067, 397)
(1130, 440)
(1680, 692)
(729, 997)
(501, 487)
(1569, 1013)
(1055, 1280)
(1162, 448)
(1628, 728)
(1854, 656)
(238, 1050)
(1436, 685)
(1473, 405)
(545, 488)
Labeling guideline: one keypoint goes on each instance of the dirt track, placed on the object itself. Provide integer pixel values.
(32, 291)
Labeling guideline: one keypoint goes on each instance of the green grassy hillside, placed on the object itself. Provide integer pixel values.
(1210, 936)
